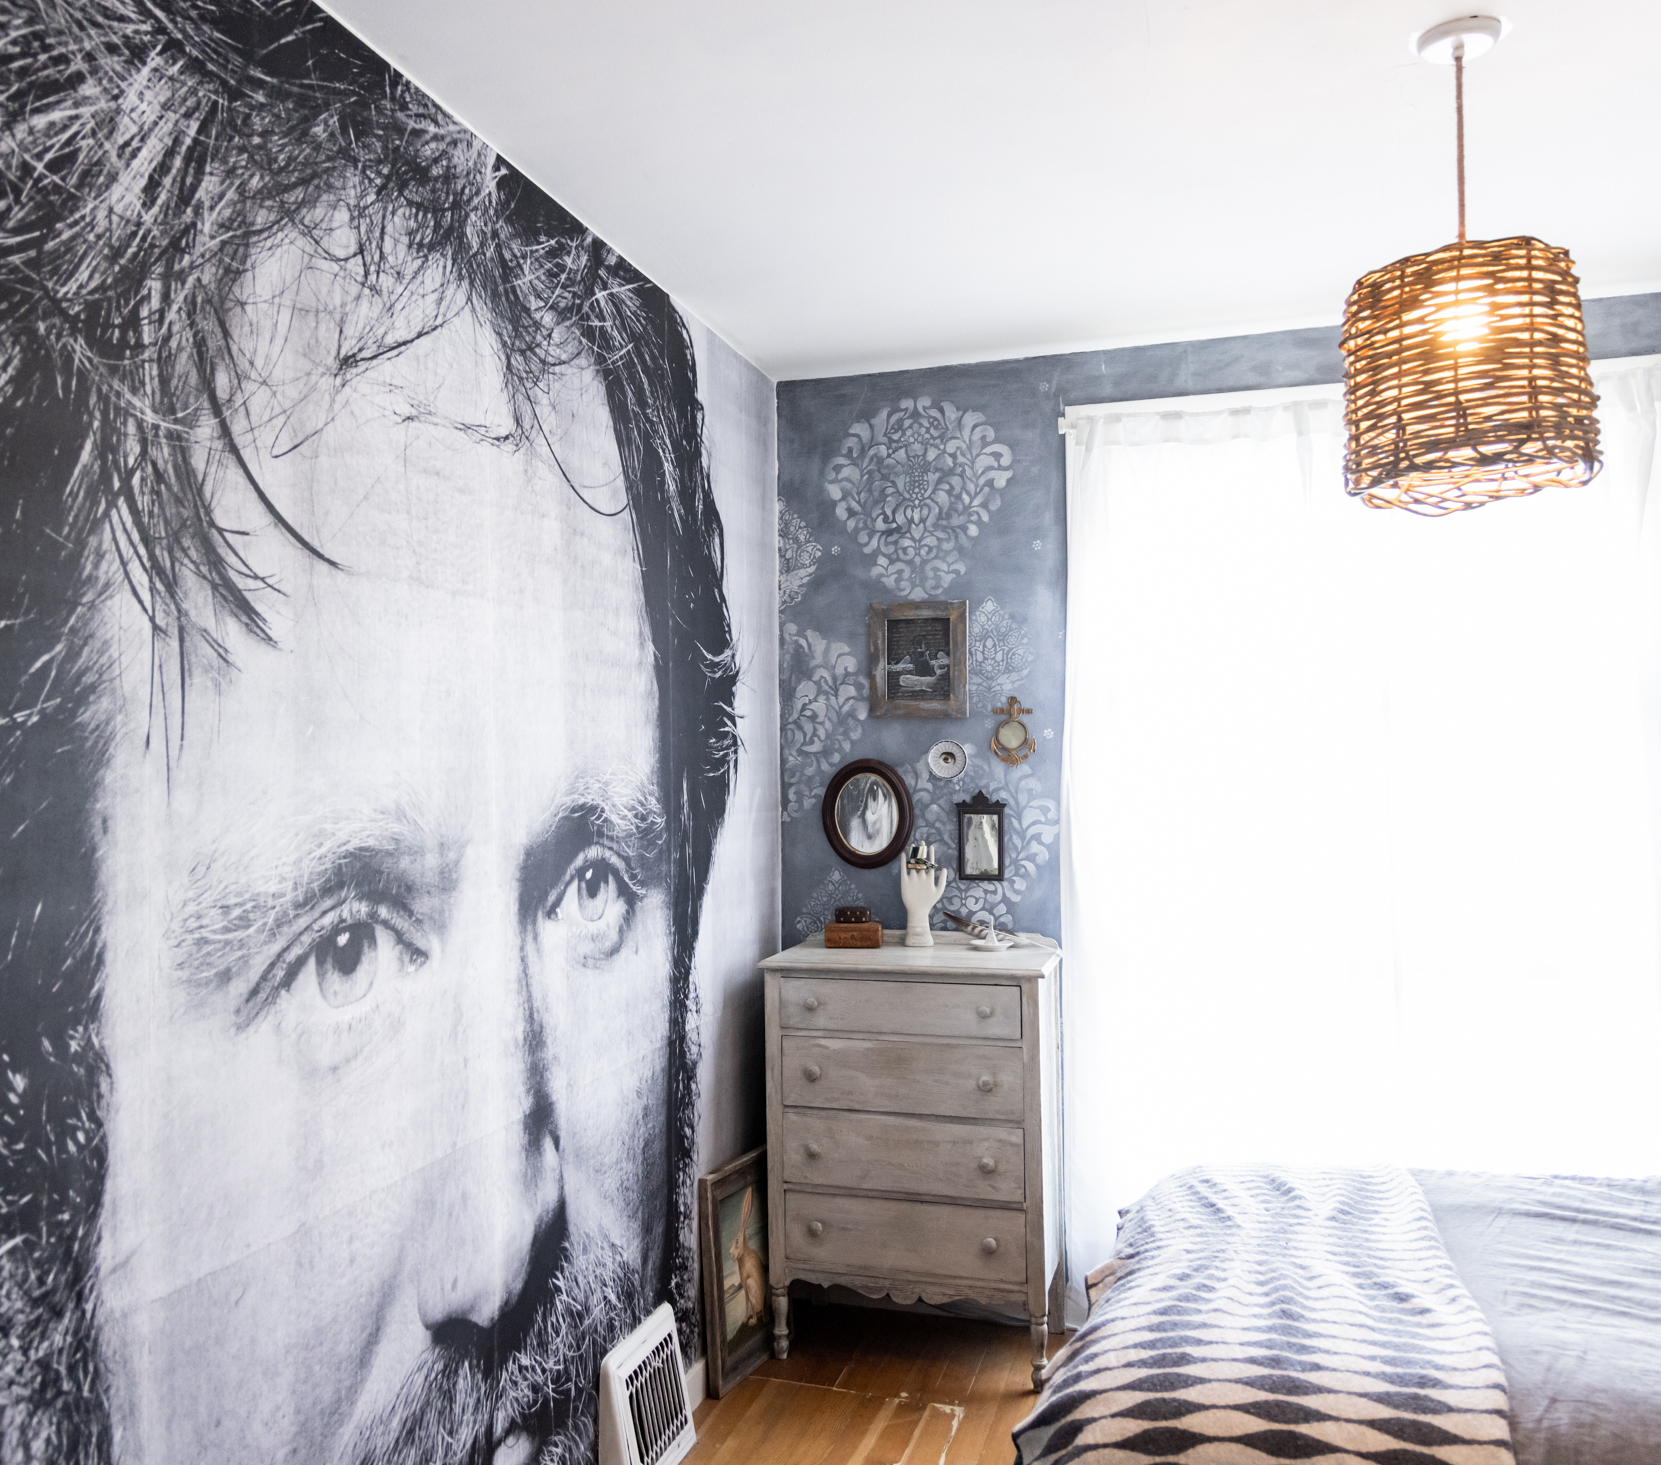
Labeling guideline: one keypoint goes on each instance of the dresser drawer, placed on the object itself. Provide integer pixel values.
(965, 1080)
(904, 1238)
(921, 1009)
(977, 1162)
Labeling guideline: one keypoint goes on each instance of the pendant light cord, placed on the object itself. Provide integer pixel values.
(1459, 125)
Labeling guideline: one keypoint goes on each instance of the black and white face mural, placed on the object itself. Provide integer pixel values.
(370, 723)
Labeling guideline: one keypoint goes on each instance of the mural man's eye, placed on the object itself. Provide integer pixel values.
(595, 906)
(595, 889)
(350, 958)
(346, 964)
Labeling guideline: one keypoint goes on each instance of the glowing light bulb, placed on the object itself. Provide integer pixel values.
(1463, 323)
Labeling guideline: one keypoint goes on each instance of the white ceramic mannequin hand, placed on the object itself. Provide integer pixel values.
(920, 889)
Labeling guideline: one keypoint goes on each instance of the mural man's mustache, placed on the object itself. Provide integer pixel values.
(536, 1399)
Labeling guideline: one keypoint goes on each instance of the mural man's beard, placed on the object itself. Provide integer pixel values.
(529, 1384)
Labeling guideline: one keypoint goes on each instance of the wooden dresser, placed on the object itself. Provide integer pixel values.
(911, 1125)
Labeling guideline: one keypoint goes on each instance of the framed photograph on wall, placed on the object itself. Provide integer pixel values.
(732, 1252)
(920, 659)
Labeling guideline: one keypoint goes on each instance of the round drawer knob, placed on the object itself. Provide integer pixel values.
(812, 1004)
(983, 1012)
(988, 1165)
(985, 1083)
(811, 1073)
(990, 1245)
(813, 1152)
(817, 1228)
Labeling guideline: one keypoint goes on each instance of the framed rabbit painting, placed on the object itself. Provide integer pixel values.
(732, 1247)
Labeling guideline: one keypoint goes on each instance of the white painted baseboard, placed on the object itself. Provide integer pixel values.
(696, 1382)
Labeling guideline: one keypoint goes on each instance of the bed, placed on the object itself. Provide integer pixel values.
(1568, 1273)
(1253, 1314)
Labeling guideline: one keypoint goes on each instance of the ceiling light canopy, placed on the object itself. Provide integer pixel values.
(1466, 375)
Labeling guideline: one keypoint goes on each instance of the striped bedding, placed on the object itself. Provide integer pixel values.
(1253, 1315)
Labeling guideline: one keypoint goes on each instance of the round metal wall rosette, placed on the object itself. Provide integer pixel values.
(948, 758)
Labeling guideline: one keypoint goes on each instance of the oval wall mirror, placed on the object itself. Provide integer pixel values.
(867, 813)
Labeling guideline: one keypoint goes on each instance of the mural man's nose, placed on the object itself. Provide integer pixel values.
(496, 1199)
(493, 1221)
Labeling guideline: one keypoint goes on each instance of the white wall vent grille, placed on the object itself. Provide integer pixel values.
(645, 1414)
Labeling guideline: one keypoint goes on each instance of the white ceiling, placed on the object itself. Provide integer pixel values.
(888, 183)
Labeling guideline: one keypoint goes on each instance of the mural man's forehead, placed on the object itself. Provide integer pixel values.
(321, 360)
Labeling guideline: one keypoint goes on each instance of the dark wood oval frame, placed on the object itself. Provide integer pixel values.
(902, 796)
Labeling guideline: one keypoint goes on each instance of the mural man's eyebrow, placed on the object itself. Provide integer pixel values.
(623, 811)
(251, 891)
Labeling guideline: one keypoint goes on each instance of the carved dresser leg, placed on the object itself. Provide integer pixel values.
(1040, 1336)
(781, 1322)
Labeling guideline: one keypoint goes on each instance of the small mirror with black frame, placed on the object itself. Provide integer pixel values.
(980, 838)
(867, 813)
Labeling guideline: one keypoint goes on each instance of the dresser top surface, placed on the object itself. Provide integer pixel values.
(950, 956)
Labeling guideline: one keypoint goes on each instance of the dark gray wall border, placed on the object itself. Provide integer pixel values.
(1619, 325)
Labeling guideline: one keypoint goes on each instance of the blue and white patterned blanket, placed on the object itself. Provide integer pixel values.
(1255, 1315)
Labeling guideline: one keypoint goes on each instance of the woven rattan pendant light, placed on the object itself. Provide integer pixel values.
(1466, 377)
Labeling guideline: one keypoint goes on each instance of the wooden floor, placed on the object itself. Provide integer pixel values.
(863, 1386)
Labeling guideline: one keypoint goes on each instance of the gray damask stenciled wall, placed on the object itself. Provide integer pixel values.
(921, 493)
(949, 483)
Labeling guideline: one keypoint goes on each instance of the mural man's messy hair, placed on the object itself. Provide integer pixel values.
(152, 153)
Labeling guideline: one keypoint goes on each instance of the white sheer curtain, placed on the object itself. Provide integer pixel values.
(1362, 810)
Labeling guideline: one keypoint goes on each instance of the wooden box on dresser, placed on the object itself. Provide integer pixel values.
(912, 1119)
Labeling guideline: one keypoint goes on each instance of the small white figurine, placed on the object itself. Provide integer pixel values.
(921, 885)
(984, 936)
